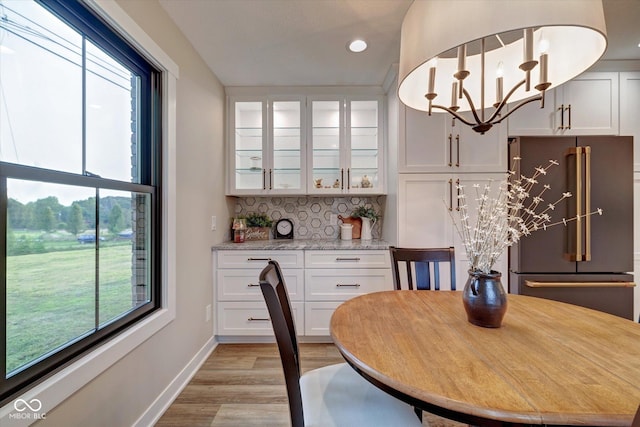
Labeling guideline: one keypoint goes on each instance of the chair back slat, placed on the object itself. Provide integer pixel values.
(276, 297)
(421, 260)
(423, 275)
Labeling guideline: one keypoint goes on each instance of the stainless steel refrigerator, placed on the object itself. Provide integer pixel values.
(587, 262)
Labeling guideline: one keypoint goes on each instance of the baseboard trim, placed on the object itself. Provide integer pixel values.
(165, 399)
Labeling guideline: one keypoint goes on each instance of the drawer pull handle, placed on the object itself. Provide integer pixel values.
(347, 259)
(348, 285)
(258, 259)
(258, 319)
(253, 285)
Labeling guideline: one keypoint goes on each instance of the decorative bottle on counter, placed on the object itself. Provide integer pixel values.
(239, 230)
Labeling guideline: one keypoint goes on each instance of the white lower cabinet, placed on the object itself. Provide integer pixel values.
(327, 288)
(251, 318)
(317, 280)
(240, 307)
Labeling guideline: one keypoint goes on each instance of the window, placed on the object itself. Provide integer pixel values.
(80, 174)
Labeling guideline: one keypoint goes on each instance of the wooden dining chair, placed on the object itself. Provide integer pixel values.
(334, 395)
(421, 260)
(636, 419)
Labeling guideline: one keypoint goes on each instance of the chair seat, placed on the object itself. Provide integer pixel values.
(336, 395)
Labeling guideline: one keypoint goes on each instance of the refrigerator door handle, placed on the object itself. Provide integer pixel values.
(582, 249)
(536, 284)
(587, 202)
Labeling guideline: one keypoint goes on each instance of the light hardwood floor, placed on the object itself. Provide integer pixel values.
(243, 385)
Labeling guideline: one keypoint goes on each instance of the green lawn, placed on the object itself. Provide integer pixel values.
(51, 297)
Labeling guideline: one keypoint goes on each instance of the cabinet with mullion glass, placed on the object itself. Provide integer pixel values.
(345, 146)
(267, 140)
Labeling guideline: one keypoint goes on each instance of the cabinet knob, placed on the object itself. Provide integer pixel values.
(347, 259)
(348, 285)
(258, 319)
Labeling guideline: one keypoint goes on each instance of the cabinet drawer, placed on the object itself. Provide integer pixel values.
(347, 259)
(243, 285)
(258, 259)
(317, 317)
(252, 318)
(340, 285)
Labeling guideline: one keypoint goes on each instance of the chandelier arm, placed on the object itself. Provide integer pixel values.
(525, 102)
(504, 102)
(454, 114)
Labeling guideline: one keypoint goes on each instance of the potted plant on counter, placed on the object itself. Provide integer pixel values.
(369, 216)
(258, 226)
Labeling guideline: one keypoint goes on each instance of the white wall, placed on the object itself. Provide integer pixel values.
(122, 394)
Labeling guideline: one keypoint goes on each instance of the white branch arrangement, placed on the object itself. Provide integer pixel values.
(514, 212)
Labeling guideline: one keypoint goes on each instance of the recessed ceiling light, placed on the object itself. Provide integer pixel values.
(357, 46)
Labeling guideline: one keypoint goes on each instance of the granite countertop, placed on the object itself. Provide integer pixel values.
(302, 244)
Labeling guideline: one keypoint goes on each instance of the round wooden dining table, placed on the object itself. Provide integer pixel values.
(550, 363)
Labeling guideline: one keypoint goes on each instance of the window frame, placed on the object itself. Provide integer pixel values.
(79, 367)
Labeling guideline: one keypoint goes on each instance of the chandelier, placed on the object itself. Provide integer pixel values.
(449, 47)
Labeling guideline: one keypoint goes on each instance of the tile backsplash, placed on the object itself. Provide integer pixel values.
(311, 216)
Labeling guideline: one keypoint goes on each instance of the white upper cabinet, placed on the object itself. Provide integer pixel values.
(345, 145)
(438, 143)
(586, 105)
(630, 110)
(267, 145)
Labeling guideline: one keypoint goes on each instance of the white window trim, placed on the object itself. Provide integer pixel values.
(64, 383)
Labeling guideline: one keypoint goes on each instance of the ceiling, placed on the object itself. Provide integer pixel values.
(303, 42)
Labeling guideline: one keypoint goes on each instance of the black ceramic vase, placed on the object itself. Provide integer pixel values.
(484, 299)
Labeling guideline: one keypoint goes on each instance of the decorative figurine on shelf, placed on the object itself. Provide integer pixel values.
(318, 183)
(336, 184)
(365, 182)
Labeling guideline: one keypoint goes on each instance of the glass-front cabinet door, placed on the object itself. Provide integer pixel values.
(327, 138)
(364, 172)
(267, 140)
(248, 142)
(287, 143)
(345, 153)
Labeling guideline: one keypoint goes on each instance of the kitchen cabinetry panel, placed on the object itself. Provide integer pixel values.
(586, 105)
(331, 276)
(427, 203)
(234, 285)
(347, 259)
(424, 201)
(343, 284)
(267, 145)
(438, 143)
(251, 318)
(258, 259)
(318, 317)
(629, 110)
(345, 145)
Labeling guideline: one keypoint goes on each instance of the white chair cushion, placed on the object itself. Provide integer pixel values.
(337, 395)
